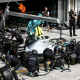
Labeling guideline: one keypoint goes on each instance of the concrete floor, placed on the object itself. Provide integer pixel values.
(55, 74)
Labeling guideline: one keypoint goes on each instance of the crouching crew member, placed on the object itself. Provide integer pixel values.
(55, 58)
(58, 58)
(19, 40)
(48, 54)
(11, 59)
(77, 51)
(33, 63)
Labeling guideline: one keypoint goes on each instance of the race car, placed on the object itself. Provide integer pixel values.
(41, 44)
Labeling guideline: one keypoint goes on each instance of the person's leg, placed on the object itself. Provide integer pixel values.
(47, 23)
(48, 27)
(35, 71)
(51, 67)
(32, 71)
(70, 29)
(45, 63)
(17, 66)
(74, 29)
(15, 75)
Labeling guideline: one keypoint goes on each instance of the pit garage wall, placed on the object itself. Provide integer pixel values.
(61, 10)
(78, 6)
(64, 6)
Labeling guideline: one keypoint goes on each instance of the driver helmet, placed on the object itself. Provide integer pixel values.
(34, 52)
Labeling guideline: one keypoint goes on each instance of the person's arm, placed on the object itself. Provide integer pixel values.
(6, 66)
(47, 14)
(69, 18)
(43, 13)
(74, 16)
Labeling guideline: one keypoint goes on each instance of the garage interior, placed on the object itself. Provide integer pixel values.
(57, 8)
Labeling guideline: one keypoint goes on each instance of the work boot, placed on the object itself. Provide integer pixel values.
(70, 35)
(45, 65)
(51, 69)
(47, 30)
(46, 70)
(36, 74)
(74, 35)
(31, 74)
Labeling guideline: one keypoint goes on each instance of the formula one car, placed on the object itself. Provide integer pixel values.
(41, 44)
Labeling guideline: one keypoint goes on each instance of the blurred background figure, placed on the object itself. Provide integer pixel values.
(46, 14)
(72, 17)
